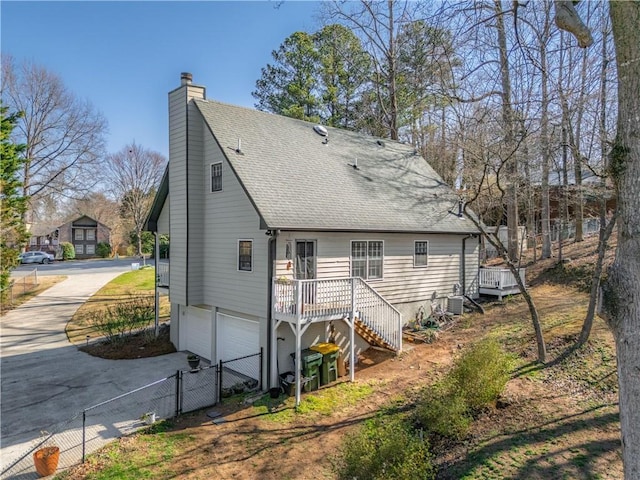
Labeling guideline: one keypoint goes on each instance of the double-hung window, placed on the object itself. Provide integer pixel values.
(216, 177)
(245, 255)
(78, 234)
(367, 258)
(420, 253)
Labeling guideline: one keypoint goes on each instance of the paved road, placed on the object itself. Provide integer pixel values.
(44, 379)
(79, 267)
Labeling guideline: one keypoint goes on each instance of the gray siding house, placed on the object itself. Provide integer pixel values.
(285, 234)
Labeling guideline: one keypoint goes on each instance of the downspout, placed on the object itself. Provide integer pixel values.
(464, 263)
(271, 258)
(464, 273)
(157, 292)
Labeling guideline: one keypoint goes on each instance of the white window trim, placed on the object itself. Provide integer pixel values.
(211, 190)
(78, 231)
(79, 248)
(90, 234)
(238, 254)
(367, 259)
(90, 246)
(414, 254)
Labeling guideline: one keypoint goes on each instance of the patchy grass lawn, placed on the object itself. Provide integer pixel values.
(557, 421)
(121, 288)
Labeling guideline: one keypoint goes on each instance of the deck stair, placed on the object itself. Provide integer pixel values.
(320, 300)
(370, 336)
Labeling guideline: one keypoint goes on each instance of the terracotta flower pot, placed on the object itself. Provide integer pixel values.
(46, 460)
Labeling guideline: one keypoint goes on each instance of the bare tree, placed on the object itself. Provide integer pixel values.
(378, 23)
(64, 135)
(135, 173)
(606, 229)
(621, 291)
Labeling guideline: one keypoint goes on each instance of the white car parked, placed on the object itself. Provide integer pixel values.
(36, 257)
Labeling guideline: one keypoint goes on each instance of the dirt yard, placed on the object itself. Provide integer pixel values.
(556, 422)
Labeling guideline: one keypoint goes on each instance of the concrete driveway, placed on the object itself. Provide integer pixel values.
(45, 380)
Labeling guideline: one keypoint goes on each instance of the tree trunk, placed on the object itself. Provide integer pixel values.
(139, 233)
(393, 94)
(604, 234)
(546, 155)
(495, 241)
(621, 291)
(605, 229)
(578, 207)
(509, 141)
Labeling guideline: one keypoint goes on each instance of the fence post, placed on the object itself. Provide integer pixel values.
(261, 372)
(220, 381)
(178, 392)
(84, 422)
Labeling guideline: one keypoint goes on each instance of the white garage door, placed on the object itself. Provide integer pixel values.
(239, 337)
(195, 331)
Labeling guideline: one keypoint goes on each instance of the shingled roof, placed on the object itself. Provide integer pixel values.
(300, 180)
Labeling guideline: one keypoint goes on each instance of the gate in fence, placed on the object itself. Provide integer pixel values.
(240, 375)
(183, 392)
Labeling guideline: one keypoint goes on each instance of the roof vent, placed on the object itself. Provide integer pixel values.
(320, 130)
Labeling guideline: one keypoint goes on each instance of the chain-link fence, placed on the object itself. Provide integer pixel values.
(182, 392)
(17, 288)
(198, 388)
(240, 375)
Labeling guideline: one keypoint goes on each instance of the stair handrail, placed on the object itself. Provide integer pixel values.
(392, 335)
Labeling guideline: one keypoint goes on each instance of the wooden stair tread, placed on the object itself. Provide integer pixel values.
(370, 336)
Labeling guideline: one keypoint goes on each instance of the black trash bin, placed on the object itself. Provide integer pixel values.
(288, 383)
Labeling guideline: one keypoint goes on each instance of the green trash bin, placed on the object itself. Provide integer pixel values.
(310, 366)
(329, 370)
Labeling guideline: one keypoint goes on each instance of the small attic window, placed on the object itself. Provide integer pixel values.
(320, 130)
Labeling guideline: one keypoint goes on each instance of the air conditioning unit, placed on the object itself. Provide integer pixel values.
(455, 305)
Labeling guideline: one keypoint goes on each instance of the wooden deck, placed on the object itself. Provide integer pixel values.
(309, 301)
(499, 281)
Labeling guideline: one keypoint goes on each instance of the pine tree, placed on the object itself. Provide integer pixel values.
(12, 203)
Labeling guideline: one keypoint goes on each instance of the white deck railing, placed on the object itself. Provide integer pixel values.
(499, 278)
(321, 300)
(378, 314)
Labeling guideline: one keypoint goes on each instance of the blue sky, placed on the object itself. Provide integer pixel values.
(124, 57)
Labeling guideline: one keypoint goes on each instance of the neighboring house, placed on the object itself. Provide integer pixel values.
(84, 233)
(593, 190)
(275, 221)
(43, 238)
